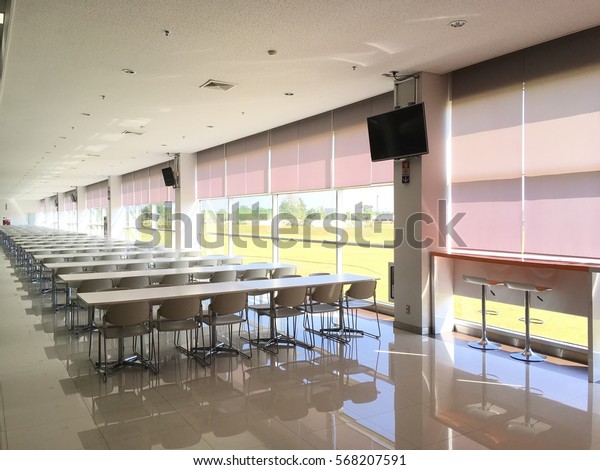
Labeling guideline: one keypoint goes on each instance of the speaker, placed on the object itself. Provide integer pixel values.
(169, 176)
(73, 197)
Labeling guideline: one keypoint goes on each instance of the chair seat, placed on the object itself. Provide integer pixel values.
(175, 325)
(358, 304)
(231, 319)
(113, 332)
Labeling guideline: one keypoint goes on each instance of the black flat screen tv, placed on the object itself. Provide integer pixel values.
(169, 176)
(398, 134)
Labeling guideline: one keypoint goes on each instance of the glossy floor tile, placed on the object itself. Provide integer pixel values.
(402, 391)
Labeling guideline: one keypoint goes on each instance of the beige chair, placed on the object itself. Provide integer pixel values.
(144, 256)
(136, 267)
(223, 276)
(61, 287)
(136, 282)
(288, 305)
(83, 258)
(175, 279)
(252, 273)
(88, 285)
(232, 261)
(225, 310)
(324, 303)
(126, 320)
(204, 262)
(283, 271)
(360, 295)
(176, 315)
(105, 268)
(110, 257)
(179, 264)
(192, 254)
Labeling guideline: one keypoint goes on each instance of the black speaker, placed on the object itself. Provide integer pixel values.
(73, 197)
(169, 176)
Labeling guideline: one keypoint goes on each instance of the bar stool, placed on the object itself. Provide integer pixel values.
(527, 354)
(484, 343)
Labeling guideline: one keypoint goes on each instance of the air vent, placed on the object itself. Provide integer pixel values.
(218, 85)
(132, 132)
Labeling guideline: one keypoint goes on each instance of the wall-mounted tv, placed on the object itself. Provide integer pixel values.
(398, 134)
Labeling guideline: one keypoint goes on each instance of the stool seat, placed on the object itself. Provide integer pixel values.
(483, 344)
(482, 281)
(527, 354)
(526, 287)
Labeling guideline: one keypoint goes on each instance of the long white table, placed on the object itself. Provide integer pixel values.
(74, 279)
(157, 295)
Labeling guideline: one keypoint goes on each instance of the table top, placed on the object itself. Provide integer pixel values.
(124, 262)
(521, 262)
(75, 278)
(210, 289)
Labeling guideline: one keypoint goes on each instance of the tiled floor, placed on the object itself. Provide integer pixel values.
(403, 391)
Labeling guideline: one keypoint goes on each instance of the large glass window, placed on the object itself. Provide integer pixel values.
(213, 226)
(332, 231)
(369, 230)
(251, 228)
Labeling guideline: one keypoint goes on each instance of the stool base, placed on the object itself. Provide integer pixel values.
(528, 356)
(484, 345)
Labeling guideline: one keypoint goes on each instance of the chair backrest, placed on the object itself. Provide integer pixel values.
(127, 314)
(179, 264)
(319, 274)
(136, 282)
(327, 294)
(290, 297)
(253, 272)
(192, 254)
(69, 270)
(175, 279)
(362, 290)
(144, 256)
(226, 304)
(56, 259)
(94, 285)
(285, 271)
(136, 267)
(223, 276)
(105, 268)
(83, 258)
(232, 261)
(180, 309)
(110, 257)
(205, 262)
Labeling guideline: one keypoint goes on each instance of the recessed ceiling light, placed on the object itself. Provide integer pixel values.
(128, 71)
(1, 18)
(457, 23)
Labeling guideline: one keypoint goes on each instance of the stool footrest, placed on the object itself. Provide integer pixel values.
(490, 312)
(535, 321)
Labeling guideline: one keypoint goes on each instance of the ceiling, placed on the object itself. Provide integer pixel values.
(70, 116)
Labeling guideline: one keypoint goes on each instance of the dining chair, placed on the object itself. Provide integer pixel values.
(361, 294)
(124, 320)
(225, 310)
(177, 315)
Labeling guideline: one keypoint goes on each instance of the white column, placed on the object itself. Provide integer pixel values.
(416, 210)
(186, 205)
